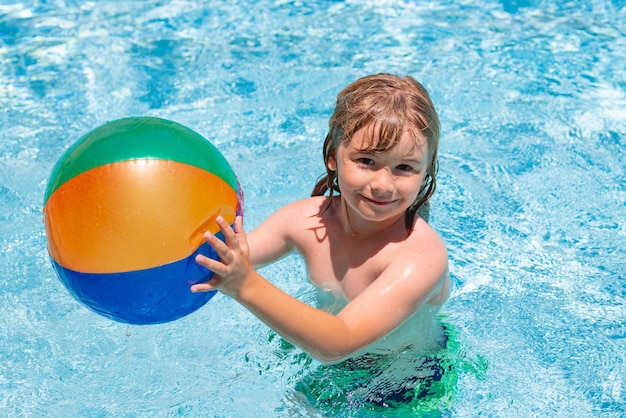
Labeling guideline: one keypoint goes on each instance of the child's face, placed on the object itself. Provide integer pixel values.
(380, 186)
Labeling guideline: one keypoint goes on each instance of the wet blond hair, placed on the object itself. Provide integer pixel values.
(388, 106)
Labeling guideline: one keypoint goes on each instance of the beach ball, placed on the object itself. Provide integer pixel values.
(125, 210)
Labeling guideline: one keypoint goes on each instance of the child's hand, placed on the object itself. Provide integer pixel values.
(230, 272)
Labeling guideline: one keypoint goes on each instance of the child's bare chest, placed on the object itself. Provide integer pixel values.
(350, 266)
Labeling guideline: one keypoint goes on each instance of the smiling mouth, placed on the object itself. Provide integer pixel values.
(378, 202)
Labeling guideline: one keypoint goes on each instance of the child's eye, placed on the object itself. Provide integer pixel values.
(405, 167)
(365, 161)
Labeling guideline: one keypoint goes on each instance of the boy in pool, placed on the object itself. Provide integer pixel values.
(367, 244)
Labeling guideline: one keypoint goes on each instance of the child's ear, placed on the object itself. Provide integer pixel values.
(332, 162)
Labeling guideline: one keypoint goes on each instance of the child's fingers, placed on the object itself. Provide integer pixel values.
(202, 287)
(238, 225)
(228, 252)
(217, 267)
(214, 265)
(229, 234)
(222, 249)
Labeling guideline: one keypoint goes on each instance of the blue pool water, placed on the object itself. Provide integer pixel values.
(531, 199)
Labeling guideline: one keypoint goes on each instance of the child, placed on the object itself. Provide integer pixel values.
(365, 244)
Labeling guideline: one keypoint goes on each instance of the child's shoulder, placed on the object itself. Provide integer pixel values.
(297, 213)
(307, 207)
(425, 244)
(424, 234)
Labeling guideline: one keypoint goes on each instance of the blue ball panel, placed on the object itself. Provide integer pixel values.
(152, 296)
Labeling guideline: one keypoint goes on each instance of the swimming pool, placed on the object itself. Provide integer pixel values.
(531, 198)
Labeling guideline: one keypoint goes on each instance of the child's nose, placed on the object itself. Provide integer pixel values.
(382, 181)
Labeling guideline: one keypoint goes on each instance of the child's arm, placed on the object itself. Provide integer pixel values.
(271, 240)
(398, 292)
(268, 241)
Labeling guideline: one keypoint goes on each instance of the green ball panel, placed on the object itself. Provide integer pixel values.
(139, 138)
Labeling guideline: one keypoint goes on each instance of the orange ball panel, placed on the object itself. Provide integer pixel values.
(134, 215)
